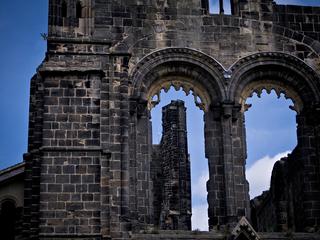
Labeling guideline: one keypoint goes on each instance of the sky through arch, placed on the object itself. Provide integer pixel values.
(270, 134)
(199, 164)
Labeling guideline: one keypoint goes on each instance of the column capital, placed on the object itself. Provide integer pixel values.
(226, 110)
(311, 114)
(138, 106)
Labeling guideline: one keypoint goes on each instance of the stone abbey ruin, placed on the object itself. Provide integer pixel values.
(92, 172)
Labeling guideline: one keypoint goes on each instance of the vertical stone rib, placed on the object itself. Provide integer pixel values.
(124, 125)
(228, 165)
(105, 159)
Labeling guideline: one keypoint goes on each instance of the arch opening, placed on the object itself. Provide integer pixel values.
(270, 125)
(271, 136)
(282, 208)
(179, 67)
(8, 218)
(280, 89)
(200, 95)
(194, 74)
(192, 193)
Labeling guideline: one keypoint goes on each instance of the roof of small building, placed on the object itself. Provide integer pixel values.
(12, 172)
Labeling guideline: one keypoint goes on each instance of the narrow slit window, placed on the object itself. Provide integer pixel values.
(79, 10)
(64, 9)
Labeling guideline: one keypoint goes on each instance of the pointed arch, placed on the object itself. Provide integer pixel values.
(281, 72)
(187, 68)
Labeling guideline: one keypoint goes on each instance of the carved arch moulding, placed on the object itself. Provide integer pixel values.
(211, 83)
(283, 73)
(185, 68)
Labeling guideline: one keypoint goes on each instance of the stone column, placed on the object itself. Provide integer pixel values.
(308, 144)
(124, 123)
(225, 149)
(105, 141)
(119, 148)
(239, 154)
(237, 198)
(140, 159)
(214, 154)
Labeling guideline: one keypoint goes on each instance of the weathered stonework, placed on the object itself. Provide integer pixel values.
(88, 167)
(171, 171)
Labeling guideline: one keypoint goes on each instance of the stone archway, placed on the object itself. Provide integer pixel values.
(286, 71)
(201, 68)
(221, 95)
(192, 71)
(295, 196)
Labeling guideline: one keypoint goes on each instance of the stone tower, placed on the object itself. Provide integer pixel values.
(88, 171)
(173, 204)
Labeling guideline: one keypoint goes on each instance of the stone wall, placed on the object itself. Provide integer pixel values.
(282, 208)
(90, 103)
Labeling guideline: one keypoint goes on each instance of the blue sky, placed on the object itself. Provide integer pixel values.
(271, 134)
(22, 50)
(214, 4)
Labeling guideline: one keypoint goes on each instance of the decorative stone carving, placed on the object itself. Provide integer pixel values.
(201, 98)
(244, 231)
(258, 87)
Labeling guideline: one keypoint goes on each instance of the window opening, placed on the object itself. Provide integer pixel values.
(195, 144)
(8, 219)
(227, 7)
(220, 6)
(270, 135)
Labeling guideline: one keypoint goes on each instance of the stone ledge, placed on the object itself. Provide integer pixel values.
(294, 236)
(189, 235)
(168, 235)
(70, 237)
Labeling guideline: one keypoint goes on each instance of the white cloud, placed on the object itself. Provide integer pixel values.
(199, 188)
(259, 174)
(199, 209)
(200, 217)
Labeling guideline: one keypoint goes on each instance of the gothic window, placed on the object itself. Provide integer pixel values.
(79, 10)
(170, 129)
